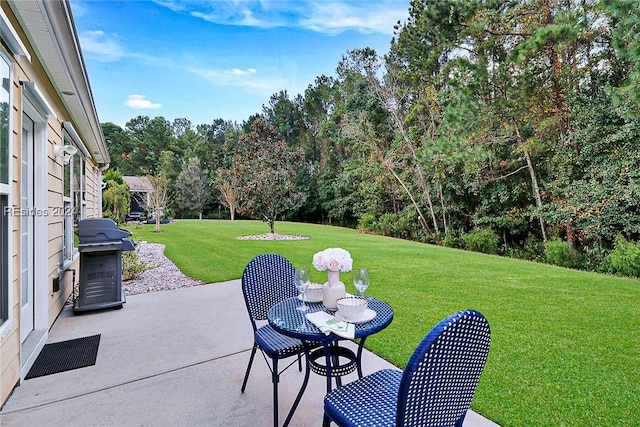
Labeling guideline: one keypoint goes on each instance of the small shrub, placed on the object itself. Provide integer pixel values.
(595, 258)
(625, 258)
(559, 253)
(533, 249)
(408, 227)
(132, 265)
(387, 224)
(482, 240)
(450, 239)
(515, 252)
(402, 228)
(109, 214)
(367, 222)
(423, 236)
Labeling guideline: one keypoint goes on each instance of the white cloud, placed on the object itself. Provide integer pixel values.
(94, 43)
(236, 77)
(337, 17)
(239, 72)
(240, 16)
(140, 102)
(328, 17)
(170, 5)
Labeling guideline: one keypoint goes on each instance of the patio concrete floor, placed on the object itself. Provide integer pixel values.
(170, 358)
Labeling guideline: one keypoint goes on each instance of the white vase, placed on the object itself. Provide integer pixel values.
(332, 290)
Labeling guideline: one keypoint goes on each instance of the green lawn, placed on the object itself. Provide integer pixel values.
(565, 345)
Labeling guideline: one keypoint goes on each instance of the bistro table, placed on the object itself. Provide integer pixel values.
(323, 354)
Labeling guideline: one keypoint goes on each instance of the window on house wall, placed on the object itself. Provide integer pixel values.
(5, 75)
(79, 193)
(4, 129)
(74, 199)
(67, 235)
(4, 124)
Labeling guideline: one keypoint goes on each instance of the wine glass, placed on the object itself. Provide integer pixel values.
(361, 279)
(302, 284)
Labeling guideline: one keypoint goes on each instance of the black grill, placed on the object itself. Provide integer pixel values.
(101, 245)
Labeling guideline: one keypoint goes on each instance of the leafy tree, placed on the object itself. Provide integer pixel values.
(185, 137)
(215, 144)
(115, 199)
(317, 104)
(504, 72)
(603, 197)
(412, 130)
(120, 148)
(112, 175)
(148, 138)
(169, 165)
(319, 116)
(267, 171)
(192, 186)
(378, 109)
(158, 200)
(181, 127)
(227, 184)
(285, 117)
(626, 41)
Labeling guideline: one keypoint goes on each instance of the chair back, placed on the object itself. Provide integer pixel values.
(441, 376)
(267, 280)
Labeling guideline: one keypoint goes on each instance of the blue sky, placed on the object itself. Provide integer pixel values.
(204, 60)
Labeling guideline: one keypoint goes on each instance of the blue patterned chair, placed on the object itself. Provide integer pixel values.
(435, 388)
(266, 280)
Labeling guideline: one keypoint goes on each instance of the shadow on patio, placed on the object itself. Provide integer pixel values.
(170, 358)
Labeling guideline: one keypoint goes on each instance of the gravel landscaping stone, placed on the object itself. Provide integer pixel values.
(163, 275)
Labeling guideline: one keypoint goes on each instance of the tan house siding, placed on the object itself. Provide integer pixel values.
(94, 188)
(10, 364)
(29, 30)
(10, 342)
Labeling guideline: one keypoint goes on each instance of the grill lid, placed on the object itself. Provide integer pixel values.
(102, 233)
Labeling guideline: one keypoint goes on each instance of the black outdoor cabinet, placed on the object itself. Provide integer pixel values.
(101, 245)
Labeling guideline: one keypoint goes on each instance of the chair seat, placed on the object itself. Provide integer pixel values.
(370, 401)
(434, 389)
(277, 345)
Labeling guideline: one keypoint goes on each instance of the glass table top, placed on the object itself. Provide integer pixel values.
(285, 318)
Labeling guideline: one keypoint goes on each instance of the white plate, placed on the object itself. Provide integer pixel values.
(306, 299)
(368, 315)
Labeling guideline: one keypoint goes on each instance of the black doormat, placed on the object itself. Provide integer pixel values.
(65, 356)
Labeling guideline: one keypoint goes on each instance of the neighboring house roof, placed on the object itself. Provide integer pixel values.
(51, 32)
(138, 184)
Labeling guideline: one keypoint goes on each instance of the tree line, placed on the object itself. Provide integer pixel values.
(508, 127)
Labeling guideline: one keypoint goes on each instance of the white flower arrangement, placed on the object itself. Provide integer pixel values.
(333, 259)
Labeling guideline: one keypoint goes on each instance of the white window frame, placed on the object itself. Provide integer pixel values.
(67, 214)
(6, 300)
(78, 188)
(74, 201)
